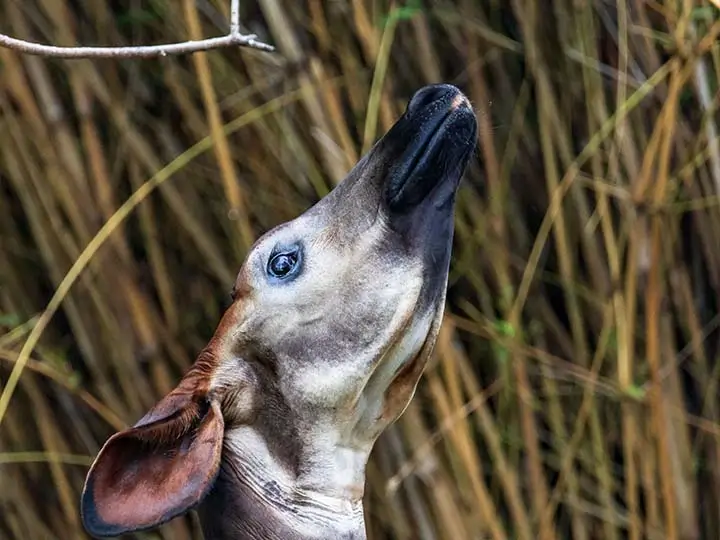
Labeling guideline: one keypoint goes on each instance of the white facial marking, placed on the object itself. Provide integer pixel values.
(331, 381)
(372, 403)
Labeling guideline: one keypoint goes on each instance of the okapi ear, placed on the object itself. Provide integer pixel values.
(156, 470)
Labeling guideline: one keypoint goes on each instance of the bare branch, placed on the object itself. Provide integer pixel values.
(234, 38)
(133, 52)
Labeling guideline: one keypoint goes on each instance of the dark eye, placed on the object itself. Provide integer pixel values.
(282, 264)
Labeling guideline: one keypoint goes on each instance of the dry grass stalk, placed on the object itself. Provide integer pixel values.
(574, 389)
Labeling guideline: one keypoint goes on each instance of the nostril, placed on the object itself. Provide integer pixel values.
(431, 94)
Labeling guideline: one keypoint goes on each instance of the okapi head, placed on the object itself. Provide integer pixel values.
(334, 316)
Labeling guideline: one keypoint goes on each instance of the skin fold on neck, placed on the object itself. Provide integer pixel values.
(256, 496)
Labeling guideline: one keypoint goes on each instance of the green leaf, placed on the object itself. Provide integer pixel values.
(636, 392)
(704, 13)
(402, 13)
(505, 328)
(10, 320)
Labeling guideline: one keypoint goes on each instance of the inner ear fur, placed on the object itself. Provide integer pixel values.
(156, 470)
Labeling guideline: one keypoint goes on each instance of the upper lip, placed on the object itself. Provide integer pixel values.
(430, 144)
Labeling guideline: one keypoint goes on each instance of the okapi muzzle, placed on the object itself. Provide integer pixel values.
(334, 316)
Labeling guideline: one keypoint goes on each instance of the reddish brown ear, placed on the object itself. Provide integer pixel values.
(156, 470)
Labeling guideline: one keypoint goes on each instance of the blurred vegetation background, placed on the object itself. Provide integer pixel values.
(574, 388)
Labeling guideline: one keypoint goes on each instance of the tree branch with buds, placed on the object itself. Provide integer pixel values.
(234, 38)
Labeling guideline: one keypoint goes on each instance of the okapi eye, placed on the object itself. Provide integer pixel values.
(283, 264)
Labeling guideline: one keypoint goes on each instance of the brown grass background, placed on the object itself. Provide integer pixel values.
(574, 389)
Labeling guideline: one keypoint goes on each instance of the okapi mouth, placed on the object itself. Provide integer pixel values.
(430, 146)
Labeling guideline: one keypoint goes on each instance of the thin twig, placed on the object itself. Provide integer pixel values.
(234, 38)
(234, 17)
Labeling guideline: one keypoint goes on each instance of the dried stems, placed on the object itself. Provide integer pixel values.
(557, 406)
